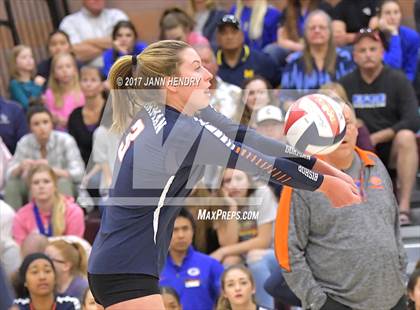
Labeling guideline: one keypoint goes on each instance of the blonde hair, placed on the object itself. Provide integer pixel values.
(192, 8)
(13, 69)
(74, 253)
(223, 303)
(54, 84)
(330, 57)
(59, 206)
(157, 61)
(256, 24)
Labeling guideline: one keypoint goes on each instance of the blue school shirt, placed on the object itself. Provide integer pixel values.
(109, 56)
(271, 22)
(402, 51)
(197, 280)
(294, 75)
(251, 63)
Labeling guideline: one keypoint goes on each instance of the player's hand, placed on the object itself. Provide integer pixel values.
(339, 192)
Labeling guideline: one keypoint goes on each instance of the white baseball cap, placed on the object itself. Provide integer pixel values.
(269, 112)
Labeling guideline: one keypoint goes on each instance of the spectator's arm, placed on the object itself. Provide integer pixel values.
(75, 165)
(75, 224)
(261, 241)
(21, 153)
(410, 59)
(19, 230)
(341, 36)
(407, 105)
(393, 56)
(284, 42)
(300, 278)
(227, 231)
(382, 136)
(88, 50)
(216, 273)
(21, 126)
(17, 93)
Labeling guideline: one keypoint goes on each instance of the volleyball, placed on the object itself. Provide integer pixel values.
(315, 124)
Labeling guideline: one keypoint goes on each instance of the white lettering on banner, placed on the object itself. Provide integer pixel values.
(215, 215)
(308, 173)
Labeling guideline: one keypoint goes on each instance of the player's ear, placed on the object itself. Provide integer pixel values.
(169, 86)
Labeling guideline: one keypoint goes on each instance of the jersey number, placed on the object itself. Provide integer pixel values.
(135, 130)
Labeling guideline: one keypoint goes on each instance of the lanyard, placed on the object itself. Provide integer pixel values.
(32, 308)
(41, 227)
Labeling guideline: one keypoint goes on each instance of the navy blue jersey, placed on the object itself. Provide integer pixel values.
(61, 303)
(160, 159)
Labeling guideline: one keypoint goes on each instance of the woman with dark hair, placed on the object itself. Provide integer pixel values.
(176, 24)
(290, 32)
(58, 42)
(257, 93)
(125, 42)
(173, 135)
(402, 43)
(170, 298)
(35, 286)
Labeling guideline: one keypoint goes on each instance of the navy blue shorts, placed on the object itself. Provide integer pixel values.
(110, 289)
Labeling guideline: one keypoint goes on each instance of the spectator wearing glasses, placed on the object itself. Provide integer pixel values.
(385, 101)
(236, 60)
(70, 262)
(320, 62)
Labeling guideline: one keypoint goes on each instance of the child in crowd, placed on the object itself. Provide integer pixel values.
(63, 94)
(58, 42)
(23, 87)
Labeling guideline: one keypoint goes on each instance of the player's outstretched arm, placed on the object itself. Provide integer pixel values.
(339, 192)
(250, 137)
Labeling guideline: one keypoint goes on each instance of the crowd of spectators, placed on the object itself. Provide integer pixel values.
(57, 145)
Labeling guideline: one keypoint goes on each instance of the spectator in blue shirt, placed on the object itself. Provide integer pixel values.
(13, 124)
(404, 42)
(236, 60)
(124, 37)
(195, 276)
(290, 32)
(320, 62)
(259, 22)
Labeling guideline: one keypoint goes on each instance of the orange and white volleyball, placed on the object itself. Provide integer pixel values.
(315, 124)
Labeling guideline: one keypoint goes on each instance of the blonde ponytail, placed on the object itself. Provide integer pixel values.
(157, 61)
